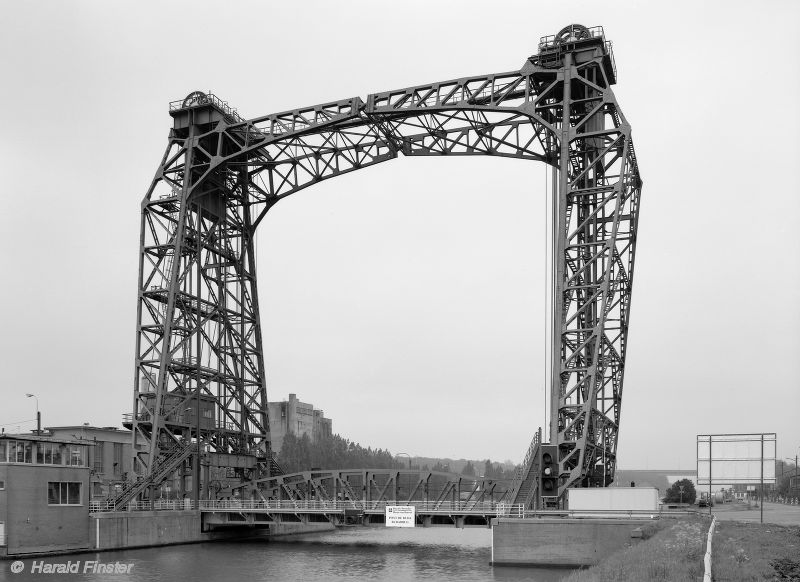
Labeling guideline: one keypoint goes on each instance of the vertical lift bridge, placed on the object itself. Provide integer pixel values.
(200, 401)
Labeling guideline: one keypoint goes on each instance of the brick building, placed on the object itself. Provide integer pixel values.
(44, 494)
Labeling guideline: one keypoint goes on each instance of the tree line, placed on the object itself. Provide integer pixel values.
(335, 452)
(330, 452)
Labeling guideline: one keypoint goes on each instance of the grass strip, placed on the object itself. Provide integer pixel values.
(673, 554)
(745, 552)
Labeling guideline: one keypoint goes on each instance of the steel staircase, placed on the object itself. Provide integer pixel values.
(526, 479)
(169, 463)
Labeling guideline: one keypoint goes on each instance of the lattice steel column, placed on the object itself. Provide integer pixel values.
(200, 372)
(595, 218)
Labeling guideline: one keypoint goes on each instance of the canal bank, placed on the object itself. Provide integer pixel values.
(562, 541)
(674, 553)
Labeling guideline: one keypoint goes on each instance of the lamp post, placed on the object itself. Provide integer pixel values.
(38, 414)
(681, 489)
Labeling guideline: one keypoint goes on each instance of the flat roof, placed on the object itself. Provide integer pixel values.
(43, 438)
(87, 427)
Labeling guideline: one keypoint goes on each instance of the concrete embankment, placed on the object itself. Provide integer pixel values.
(137, 529)
(560, 541)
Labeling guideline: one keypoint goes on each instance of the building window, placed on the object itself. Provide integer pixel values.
(20, 452)
(48, 454)
(63, 493)
(74, 457)
(97, 463)
(2, 485)
(3, 457)
(24, 450)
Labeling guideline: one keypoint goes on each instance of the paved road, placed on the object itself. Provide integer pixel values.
(773, 513)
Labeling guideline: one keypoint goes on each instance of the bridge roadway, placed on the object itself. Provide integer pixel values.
(232, 512)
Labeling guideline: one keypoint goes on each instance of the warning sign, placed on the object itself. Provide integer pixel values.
(400, 516)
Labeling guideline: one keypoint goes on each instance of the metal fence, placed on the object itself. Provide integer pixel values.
(300, 505)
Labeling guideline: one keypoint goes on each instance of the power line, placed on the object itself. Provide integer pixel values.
(18, 422)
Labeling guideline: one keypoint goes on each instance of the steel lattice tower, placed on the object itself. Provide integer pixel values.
(200, 390)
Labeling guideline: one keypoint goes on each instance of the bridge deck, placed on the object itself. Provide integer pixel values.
(319, 507)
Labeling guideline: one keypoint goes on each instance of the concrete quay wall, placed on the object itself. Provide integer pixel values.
(137, 529)
(560, 541)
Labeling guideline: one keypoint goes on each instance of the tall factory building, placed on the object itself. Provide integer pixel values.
(297, 418)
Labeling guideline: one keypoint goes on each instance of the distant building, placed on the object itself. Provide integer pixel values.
(44, 494)
(297, 418)
(109, 456)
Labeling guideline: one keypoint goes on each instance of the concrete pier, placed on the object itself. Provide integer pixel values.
(555, 541)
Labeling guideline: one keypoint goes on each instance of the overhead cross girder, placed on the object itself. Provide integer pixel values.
(199, 337)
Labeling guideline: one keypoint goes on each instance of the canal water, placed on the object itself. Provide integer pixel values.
(350, 554)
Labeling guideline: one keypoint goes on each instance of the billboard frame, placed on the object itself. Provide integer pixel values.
(758, 437)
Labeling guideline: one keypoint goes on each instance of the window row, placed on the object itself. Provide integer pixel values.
(12, 451)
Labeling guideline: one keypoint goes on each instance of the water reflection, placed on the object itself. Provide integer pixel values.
(390, 555)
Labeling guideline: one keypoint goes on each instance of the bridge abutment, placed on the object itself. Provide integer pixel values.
(560, 541)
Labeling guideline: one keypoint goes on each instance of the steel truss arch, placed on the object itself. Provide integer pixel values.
(200, 382)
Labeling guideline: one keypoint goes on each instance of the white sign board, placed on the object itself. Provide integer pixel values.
(724, 459)
(613, 498)
(400, 515)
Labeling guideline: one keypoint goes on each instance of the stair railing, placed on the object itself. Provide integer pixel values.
(524, 468)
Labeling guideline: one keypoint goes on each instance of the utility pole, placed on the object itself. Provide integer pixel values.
(38, 414)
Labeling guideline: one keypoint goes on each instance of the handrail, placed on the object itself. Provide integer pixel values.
(551, 40)
(203, 99)
(524, 468)
(301, 505)
(496, 509)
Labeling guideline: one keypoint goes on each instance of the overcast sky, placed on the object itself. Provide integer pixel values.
(406, 300)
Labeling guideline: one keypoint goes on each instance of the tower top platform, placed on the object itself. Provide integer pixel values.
(584, 43)
(198, 107)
